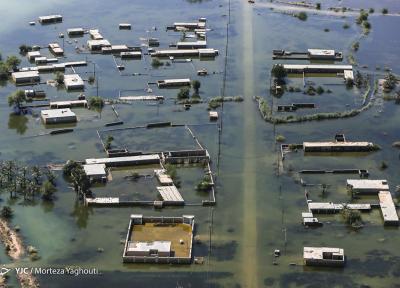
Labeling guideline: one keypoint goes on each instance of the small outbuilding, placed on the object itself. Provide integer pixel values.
(73, 82)
(324, 256)
(26, 77)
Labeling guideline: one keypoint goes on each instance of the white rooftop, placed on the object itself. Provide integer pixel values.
(366, 184)
(56, 113)
(160, 246)
(317, 252)
(321, 52)
(73, 80)
(95, 169)
(122, 159)
(316, 66)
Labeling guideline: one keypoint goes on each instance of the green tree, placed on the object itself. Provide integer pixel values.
(318, 6)
(278, 71)
(385, 11)
(16, 99)
(59, 78)
(48, 190)
(4, 71)
(351, 217)
(96, 102)
(23, 49)
(183, 93)
(109, 141)
(12, 62)
(196, 86)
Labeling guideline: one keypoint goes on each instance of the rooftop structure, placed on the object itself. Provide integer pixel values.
(75, 31)
(56, 49)
(26, 77)
(125, 26)
(324, 256)
(191, 45)
(95, 172)
(131, 55)
(206, 52)
(126, 161)
(315, 68)
(170, 195)
(321, 53)
(141, 98)
(189, 25)
(57, 116)
(95, 34)
(213, 115)
(159, 240)
(97, 45)
(366, 186)
(32, 55)
(337, 146)
(163, 177)
(40, 60)
(73, 82)
(330, 207)
(50, 19)
(68, 104)
(388, 209)
(173, 82)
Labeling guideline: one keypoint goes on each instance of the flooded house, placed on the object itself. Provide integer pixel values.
(98, 45)
(388, 208)
(173, 83)
(50, 19)
(323, 256)
(367, 186)
(95, 34)
(75, 32)
(163, 240)
(191, 45)
(56, 49)
(58, 116)
(96, 172)
(25, 77)
(73, 82)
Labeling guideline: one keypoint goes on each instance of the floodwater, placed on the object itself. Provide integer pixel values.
(259, 199)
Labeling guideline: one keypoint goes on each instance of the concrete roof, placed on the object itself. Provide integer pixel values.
(321, 52)
(387, 206)
(317, 252)
(123, 159)
(368, 184)
(160, 246)
(170, 194)
(73, 80)
(95, 169)
(54, 113)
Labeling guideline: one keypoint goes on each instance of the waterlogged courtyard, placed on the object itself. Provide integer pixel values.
(259, 195)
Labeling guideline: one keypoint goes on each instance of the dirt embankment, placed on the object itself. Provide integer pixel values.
(15, 249)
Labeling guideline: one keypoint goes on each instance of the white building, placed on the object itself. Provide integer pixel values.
(73, 82)
(97, 45)
(151, 249)
(366, 186)
(96, 172)
(57, 116)
(323, 256)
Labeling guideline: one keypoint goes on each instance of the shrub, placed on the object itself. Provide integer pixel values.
(385, 11)
(59, 78)
(7, 212)
(301, 16)
(155, 63)
(320, 90)
(318, 6)
(278, 71)
(371, 10)
(326, 30)
(183, 93)
(91, 79)
(196, 85)
(280, 138)
(346, 26)
(23, 49)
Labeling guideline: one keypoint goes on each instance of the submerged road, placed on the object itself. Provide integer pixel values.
(249, 235)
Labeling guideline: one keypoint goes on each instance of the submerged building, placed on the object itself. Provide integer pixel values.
(166, 240)
(323, 256)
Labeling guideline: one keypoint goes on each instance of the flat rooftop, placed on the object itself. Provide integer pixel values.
(170, 194)
(57, 113)
(321, 52)
(123, 159)
(337, 144)
(388, 209)
(317, 252)
(361, 184)
(173, 232)
(95, 169)
(317, 67)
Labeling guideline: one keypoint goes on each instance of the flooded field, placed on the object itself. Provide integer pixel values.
(259, 195)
